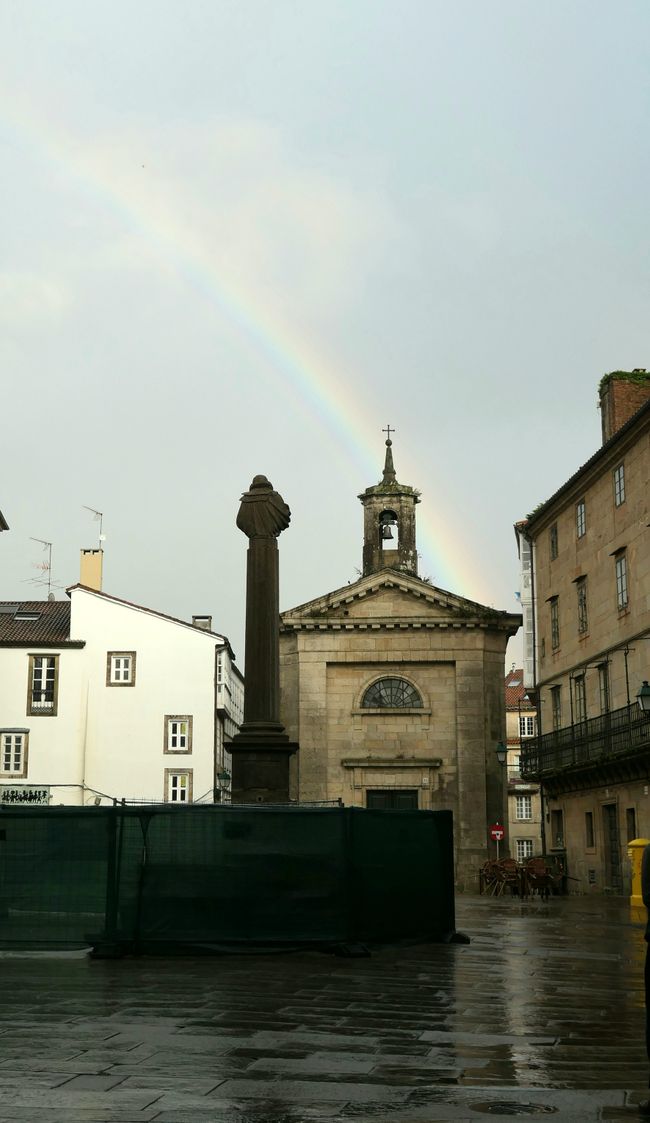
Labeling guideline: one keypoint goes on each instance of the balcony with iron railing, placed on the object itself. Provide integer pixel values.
(623, 732)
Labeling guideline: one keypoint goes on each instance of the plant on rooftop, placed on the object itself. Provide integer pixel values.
(636, 377)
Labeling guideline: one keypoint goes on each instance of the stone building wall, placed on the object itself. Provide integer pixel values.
(601, 781)
(589, 867)
(388, 626)
(608, 529)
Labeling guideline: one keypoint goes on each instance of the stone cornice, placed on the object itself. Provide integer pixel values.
(329, 613)
(401, 625)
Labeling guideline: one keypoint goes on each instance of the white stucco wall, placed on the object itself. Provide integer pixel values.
(124, 738)
(55, 748)
(107, 741)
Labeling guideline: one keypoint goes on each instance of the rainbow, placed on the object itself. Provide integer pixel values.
(297, 368)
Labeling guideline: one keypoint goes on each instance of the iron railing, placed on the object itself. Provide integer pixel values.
(592, 741)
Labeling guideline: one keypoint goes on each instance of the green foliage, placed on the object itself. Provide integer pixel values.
(636, 377)
(535, 510)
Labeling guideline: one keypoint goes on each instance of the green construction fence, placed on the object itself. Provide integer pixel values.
(161, 878)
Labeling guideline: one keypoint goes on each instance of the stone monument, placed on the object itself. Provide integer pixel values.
(261, 750)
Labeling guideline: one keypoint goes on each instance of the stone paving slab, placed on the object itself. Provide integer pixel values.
(540, 1016)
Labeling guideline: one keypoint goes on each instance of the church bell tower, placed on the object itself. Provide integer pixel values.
(389, 521)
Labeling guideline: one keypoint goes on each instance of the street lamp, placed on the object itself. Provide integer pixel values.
(502, 752)
(643, 697)
(223, 779)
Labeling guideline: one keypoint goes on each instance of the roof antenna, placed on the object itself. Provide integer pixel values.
(45, 566)
(97, 517)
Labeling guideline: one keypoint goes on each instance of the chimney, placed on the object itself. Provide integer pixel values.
(92, 564)
(621, 394)
(204, 622)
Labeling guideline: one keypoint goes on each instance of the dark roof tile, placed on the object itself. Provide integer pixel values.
(516, 691)
(34, 622)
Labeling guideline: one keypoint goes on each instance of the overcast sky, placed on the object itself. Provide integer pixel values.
(241, 237)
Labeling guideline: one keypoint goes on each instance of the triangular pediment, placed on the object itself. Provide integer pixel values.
(393, 596)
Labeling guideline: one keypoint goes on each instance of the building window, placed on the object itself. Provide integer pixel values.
(556, 706)
(621, 581)
(630, 823)
(13, 752)
(581, 590)
(526, 726)
(619, 485)
(524, 807)
(555, 623)
(580, 696)
(552, 540)
(391, 693)
(581, 519)
(524, 849)
(43, 684)
(514, 768)
(589, 830)
(178, 733)
(557, 829)
(603, 687)
(388, 799)
(120, 668)
(178, 786)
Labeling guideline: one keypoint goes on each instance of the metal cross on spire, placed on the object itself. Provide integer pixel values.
(389, 469)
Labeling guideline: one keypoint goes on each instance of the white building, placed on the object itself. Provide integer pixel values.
(101, 699)
(525, 825)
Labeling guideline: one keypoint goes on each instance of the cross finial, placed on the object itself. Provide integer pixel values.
(389, 470)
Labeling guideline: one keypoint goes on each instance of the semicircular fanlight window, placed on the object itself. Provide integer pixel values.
(391, 693)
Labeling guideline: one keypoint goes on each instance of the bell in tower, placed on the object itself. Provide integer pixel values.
(389, 521)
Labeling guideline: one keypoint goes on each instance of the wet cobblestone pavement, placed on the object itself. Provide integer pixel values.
(541, 1016)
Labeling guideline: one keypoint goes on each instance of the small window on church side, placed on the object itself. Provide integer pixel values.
(391, 693)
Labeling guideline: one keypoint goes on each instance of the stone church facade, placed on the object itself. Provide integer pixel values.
(394, 688)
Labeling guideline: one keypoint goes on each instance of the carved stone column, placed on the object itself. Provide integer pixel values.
(261, 750)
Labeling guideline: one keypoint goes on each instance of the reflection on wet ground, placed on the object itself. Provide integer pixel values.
(540, 1016)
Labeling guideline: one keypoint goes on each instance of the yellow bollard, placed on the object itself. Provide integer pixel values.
(635, 850)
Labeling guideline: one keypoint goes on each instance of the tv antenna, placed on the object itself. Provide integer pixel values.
(44, 566)
(97, 517)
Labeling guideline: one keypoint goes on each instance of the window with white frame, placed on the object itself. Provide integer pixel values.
(619, 485)
(178, 733)
(621, 580)
(524, 849)
(526, 725)
(178, 786)
(13, 752)
(120, 668)
(581, 519)
(43, 684)
(524, 807)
